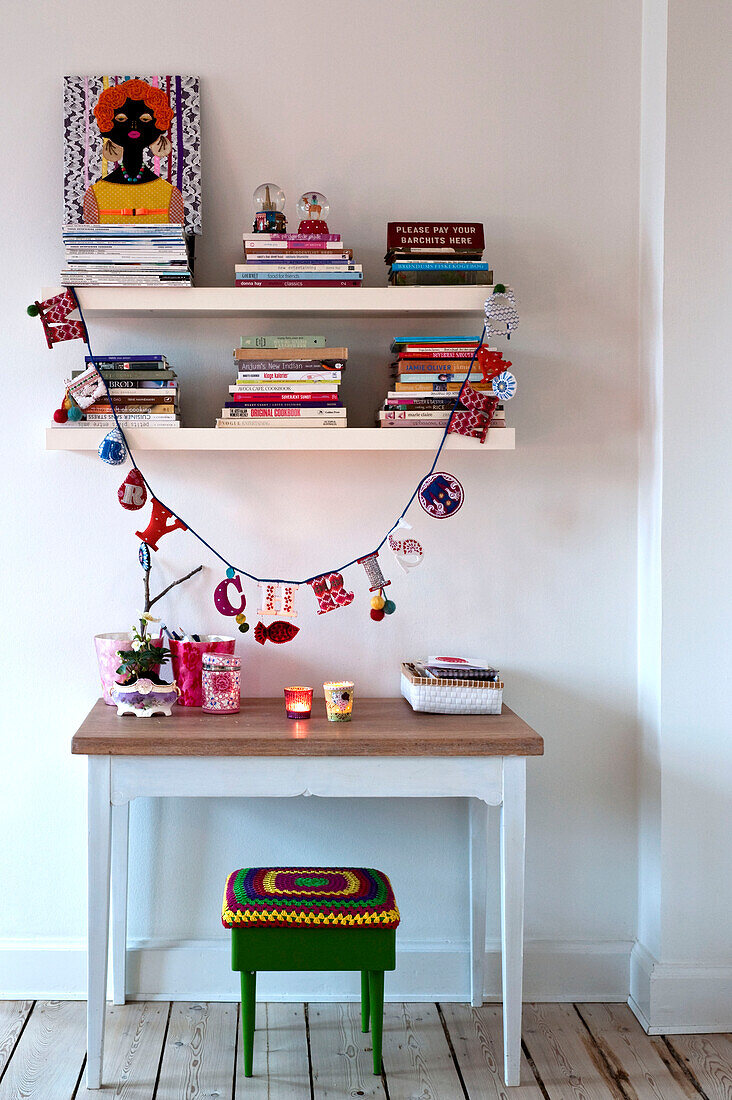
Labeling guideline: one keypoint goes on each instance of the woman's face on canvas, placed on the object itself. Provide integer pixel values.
(134, 124)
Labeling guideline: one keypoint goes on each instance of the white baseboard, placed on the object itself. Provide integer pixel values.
(678, 999)
(201, 970)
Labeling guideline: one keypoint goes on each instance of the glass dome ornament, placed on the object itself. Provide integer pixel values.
(313, 209)
(270, 202)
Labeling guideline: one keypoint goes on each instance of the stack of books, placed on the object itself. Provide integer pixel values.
(285, 382)
(428, 372)
(143, 388)
(434, 254)
(297, 259)
(127, 255)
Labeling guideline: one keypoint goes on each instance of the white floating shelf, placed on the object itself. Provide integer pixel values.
(209, 301)
(280, 439)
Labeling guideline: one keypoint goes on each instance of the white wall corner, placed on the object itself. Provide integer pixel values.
(678, 998)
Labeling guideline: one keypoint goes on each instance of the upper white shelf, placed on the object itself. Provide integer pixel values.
(210, 301)
(279, 439)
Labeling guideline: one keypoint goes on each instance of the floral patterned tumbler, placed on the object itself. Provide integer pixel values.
(338, 700)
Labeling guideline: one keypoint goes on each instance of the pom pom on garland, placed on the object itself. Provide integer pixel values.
(377, 614)
(61, 416)
(389, 607)
(377, 603)
(33, 309)
(74, 413)
(231, 573)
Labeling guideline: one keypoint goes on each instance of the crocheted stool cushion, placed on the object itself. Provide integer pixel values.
(284, 896)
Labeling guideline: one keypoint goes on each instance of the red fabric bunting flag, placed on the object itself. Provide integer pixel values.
(330, 592)
(159, 525)
(54, 313)
(475, 419)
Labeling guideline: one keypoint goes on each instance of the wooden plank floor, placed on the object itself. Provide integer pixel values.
(192, 1051)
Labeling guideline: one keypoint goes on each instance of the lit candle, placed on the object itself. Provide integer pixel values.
(338, 700)
(298, 702)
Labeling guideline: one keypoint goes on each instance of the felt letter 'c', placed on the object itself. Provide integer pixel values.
(221, 596)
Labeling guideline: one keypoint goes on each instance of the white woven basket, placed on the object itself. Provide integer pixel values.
(451, 696)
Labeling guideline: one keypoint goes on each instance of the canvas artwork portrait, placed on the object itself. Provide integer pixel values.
(132, 150)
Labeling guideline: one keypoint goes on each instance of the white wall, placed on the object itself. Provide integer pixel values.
(522, 115)
(682, 972)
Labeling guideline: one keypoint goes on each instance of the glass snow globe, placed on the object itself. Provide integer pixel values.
(269, 200)
(313, 209)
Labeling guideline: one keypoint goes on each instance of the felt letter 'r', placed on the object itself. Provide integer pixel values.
(330, 592)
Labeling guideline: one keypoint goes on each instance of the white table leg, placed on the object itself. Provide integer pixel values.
(513, 838)
(98, 841)
(478, 826)
(120, 848)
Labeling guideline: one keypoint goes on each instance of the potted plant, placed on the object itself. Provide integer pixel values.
(142, 691)
(109, 645)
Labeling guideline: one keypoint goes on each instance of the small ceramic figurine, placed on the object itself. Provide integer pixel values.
(143, 693)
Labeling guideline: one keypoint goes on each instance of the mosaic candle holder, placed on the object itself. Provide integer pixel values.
(221, 683)
(339, 700)
(298, 702)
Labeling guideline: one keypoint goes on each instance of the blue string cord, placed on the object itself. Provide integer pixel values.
(202, 540)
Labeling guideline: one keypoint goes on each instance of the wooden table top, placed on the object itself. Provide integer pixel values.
(380, 727)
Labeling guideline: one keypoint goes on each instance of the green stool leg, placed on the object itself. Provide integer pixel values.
(376, 1000)
(248, 1012)
(365, 1001)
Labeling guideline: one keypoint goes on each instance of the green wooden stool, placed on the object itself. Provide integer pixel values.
(312, 918)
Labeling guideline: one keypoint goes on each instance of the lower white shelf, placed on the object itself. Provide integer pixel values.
(279, 439)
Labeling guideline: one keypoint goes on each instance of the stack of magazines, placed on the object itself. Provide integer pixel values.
(127, 255)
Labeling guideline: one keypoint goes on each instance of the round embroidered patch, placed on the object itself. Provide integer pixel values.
(441, 495)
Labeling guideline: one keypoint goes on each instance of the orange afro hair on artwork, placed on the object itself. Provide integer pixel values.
(113, 98)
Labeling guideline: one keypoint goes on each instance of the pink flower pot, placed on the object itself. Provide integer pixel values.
(106, 646)
(187, 660)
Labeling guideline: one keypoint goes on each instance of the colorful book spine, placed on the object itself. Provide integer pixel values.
(306, 259)
(287, 414)
(301, 354)
(255, 243)
(258, 396)
(439, 265)
(295, 238)
(124, 361)
(127, 410)
(296, 282)
(275, 342)
(280, 422)
(447, 377)
(290, 376)
(280, 275)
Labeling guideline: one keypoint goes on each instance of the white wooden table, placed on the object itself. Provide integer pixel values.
(387, 751)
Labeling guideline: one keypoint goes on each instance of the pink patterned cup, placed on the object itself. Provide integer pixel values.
(106, 646)
(187, 661)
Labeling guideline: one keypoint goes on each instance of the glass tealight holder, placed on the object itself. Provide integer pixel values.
(338, 700)
(298, 702)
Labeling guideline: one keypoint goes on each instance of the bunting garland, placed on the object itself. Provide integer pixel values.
(439, 493)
